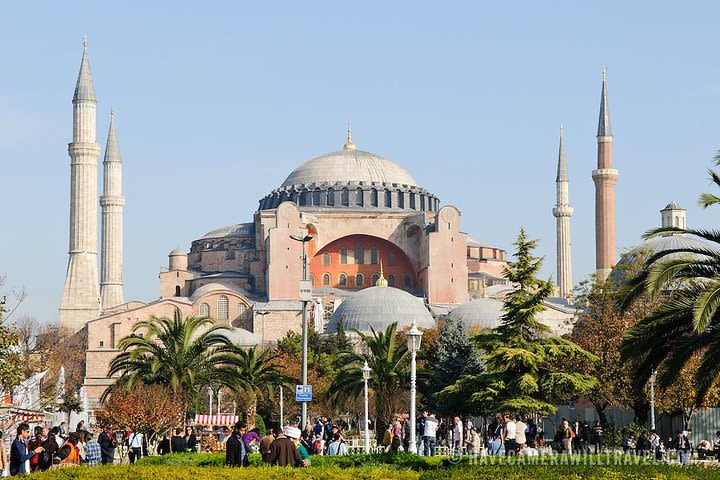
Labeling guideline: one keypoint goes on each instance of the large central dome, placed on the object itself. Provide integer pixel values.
(349, 165)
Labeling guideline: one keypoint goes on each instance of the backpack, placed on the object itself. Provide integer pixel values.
(572, 433)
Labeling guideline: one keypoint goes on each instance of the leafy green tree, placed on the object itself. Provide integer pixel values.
(686, 282)
(523, 361)
(11, 370)
(70, 403)
(389, 378)
(252, 372)
(454, 357)
(185, 354)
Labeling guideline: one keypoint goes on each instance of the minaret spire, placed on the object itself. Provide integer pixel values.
(562, 212)
(81, 295)
(605, 178)
(112, 203)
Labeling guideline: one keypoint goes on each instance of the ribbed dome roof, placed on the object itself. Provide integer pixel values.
(483, 313)
(349, 165)
(177, 252)
(379, 307)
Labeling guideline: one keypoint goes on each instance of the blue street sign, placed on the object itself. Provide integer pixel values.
(303, 393)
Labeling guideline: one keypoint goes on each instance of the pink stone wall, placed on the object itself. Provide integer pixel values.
(447, 271)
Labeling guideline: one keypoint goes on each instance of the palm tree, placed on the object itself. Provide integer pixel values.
(389, 378)
(185, 354)
(686, 282)
(252, 372)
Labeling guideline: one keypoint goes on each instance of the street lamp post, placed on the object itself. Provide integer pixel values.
(414, 337)
(366, 376)
(282, 420)
(303, 240)
(652, 401)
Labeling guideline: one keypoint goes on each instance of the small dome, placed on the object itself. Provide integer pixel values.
(380, 307)
(483, 313)
(177, 252)
(349, 165)
(241, 337)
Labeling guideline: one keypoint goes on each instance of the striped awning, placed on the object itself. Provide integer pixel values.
(19, 416)
(224, 420)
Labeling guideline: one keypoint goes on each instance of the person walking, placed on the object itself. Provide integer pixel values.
(337, 446)
(420, 431)
(597, 434)
(51, 446)
(107, 442)
(69, 453)
(265, 443)
(474, 442)
(235, 451)
(190, 439)
(457, 435)
(520, 433)
(93, 451)
(135, 443)
(20, 455)
(509, 436)
(683, 448)
(430, 434)
(35, 441)
(283, 451)
(177, 442)
(567, 437)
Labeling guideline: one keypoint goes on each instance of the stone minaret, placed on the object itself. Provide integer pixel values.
(563, 211)
(81, 296)
(112, 203)
(605, 177)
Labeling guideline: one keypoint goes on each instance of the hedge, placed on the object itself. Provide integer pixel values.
(474, 472)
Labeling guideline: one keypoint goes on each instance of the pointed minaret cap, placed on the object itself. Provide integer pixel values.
(562, 175)
(84, 89)
(604, 129)
(381, 281)
(112, 148)
(349, 145)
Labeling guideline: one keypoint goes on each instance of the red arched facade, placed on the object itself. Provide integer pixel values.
(353, 262)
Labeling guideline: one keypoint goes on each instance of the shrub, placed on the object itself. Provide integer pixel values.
(260, 425)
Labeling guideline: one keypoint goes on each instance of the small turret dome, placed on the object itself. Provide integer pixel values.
(177, 252)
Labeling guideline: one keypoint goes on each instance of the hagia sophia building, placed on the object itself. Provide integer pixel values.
(383, 249)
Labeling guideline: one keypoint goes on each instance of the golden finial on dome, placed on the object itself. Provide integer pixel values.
(381, 282)
(483, 292)
(349, 145)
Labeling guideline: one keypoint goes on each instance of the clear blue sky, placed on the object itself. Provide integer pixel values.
(217, 102)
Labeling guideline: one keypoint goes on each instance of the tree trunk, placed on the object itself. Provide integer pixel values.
(250, 411)
(600, 409)
(687, 414)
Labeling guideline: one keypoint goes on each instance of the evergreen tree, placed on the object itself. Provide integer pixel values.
(523, 361)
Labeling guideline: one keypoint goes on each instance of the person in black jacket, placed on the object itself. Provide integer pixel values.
(107, 442)
(177, 442)
(163, 447)
(235, 452)
(19, 452)
(50, 445)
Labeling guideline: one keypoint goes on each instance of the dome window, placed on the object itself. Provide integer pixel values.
(359, 280)
(312, 279)
(343, 256)
(359, 197)
(326, 279)
(375, 278)
(331, 197)
(316, 197)
(412, 200)
(359, 255)
(388, 198)
(326, 259)
(345, 197)
(342, 280)
(401, 199)
(204, 310)
(222, 308)
(391, 280)
(374, 197)
(407, 281)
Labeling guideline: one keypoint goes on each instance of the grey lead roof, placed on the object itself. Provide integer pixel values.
(562, 175)
(84, 89)
(673, 206)
(604, 129)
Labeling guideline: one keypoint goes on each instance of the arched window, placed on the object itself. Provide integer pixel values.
(343, 256)
(359, 254)
(342, 280)
(177, 291)
(305, 198)
(326, 279)
(375, 278)
(326, 259)
(392, 260)
(204, 310)
(401, 199)
(283, 197)
(407, 281)
(422, 202)
(374, 197)
(374, 257)
(412, 200)
(241, 310)
(345, 197)
(331, 197)
(312, 279)
(391, 280)
(359, 196)
(316, 197)
(222, 308)
(359, 280)
(388, 198)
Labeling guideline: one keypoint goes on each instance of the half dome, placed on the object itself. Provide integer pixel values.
(346, 166)
(379, 307)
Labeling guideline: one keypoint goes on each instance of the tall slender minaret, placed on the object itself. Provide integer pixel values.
(112, 203)
(81, 296)
(562, 212)
(605, 177)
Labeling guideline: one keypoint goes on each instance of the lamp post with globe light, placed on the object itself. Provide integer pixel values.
(366, 376)
(414, 337)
